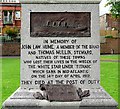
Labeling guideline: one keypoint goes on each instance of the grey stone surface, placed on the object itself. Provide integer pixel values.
(93, 40)
(23, 99)
(60, 1)
(62, 107)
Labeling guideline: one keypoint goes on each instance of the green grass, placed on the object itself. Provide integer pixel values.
(110, 57)
(11, 76)
(0, 82)
(109, 78)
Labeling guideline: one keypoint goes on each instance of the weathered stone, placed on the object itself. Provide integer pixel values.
(82, 94)
(29, 102)
(62, 93)
(52, 59)
(60, 24)
(38, 95)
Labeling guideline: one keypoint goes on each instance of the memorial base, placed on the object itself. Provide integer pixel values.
(23, 99)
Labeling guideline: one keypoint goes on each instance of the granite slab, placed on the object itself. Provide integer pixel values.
(23, 99)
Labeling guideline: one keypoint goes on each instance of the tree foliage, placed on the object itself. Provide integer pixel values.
(115, 8)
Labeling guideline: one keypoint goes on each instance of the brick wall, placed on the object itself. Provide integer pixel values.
(108, 22)
(113, 33)
(10, 49)
(111, 45)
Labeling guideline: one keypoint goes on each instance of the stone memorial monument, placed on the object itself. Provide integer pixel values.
(60, 50)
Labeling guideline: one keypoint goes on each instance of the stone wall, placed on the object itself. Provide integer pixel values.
(111, 46)
(10, 49)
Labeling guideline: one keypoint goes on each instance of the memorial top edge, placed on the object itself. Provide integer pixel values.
(60, 1)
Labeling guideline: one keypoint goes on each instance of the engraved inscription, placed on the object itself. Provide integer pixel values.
(61, 24)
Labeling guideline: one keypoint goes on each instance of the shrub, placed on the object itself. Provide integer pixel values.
(108, 36)
(2, 39)
(11, 31)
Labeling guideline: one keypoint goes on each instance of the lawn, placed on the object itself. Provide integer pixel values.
(11, 76)
(109, 57)
(109, 78)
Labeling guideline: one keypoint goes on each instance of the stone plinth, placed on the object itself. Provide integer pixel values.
(60, 45)
(23, 99)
